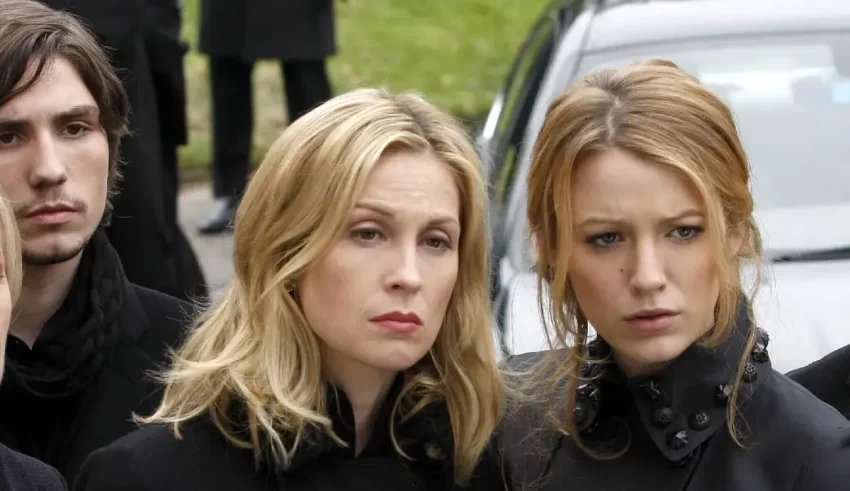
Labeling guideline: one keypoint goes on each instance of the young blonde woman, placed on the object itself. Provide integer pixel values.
(18, 472)
(641, 212)
(353, 348)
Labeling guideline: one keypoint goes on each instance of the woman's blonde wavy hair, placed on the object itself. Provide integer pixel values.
(661, 114)
(256, 347)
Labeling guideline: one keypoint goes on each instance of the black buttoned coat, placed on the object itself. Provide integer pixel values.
(152, 459)
(672, 429)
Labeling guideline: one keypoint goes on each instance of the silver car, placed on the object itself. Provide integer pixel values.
(783, 66)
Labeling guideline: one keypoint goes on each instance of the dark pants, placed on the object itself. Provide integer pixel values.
(191, 283)
(306, 84)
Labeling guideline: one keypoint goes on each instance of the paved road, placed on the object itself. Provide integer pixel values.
(216, 252)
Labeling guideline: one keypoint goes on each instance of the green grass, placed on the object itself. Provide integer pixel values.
(455, 52)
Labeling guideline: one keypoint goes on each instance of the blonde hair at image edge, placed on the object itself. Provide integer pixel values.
(256, 347)
(662, 114)
(10, 247)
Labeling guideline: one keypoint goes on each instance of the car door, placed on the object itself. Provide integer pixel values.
(501, 138)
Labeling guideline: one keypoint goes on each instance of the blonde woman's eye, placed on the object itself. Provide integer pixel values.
(367, 234)
(604, 240)
(686, 233)
(438, 243)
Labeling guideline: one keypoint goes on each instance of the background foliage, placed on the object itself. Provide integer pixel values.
(455, 52)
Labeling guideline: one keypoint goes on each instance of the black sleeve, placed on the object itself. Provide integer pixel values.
(828, 379)
(36, 475)
(111, 468)
(827, 465)
(53, 481)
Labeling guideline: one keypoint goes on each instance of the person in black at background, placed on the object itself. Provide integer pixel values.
(299, 33)
(18, 472)
(166, 50)
(143, 43)
(83, 338)
(828, 379)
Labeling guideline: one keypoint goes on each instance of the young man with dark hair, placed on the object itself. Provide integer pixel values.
(83, 339)
(142, 39)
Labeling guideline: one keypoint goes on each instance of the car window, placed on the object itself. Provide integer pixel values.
(790, 96)
(791, 99)
(516, 102)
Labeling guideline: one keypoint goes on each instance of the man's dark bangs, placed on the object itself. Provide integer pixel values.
(16, 56)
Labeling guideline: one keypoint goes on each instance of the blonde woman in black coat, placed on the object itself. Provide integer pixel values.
(353, 349)
(642, 216)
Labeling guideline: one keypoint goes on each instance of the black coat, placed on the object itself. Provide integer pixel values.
(21, 473)
(78, 387)
(166, 49)
(828, 379)
(144, 223)
(250, 30)
(153, 460)
(673, 426)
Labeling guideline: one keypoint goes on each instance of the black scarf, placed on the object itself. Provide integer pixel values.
(68, 357)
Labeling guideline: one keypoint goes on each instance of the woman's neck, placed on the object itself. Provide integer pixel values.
(635, 368)
(366, 389)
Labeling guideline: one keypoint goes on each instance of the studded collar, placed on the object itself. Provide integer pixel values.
(681, 406)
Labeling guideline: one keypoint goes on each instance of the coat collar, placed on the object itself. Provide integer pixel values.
(425, 437)
(679, 407)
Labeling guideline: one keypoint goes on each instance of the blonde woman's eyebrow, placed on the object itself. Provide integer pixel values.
(437, 219)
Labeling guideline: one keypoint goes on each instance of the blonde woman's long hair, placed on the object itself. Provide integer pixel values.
(255, 346)
(661, 114)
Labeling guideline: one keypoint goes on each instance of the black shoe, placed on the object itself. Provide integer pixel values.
(222, 220)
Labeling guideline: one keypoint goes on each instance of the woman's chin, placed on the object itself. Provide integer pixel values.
(651, 355)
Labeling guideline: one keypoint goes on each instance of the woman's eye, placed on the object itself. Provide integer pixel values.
(604, 240)
(437, 243)
(367, 234)
(686, 233)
